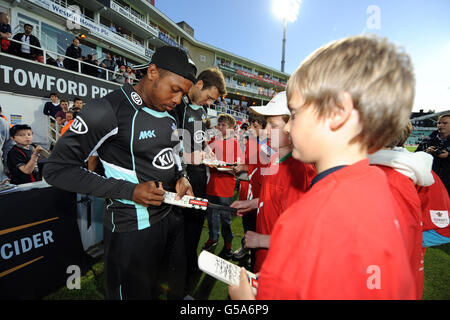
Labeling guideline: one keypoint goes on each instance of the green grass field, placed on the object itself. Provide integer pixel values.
(437, 275)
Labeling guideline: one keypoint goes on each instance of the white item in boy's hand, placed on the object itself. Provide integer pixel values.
(224, 270)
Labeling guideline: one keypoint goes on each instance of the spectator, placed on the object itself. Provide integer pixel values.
(98, 71)
(108, 63)
(50, 60)
(2, 116)
(61, 115)
(120, 77)
(221, 184)
(4, 137)
(70, 116)
(59, 62)
(438, 145)
(5, 31)
(73, 51)
(112, 28)
(23, 158)
(139, 75)
(23, 49)
(89, 67)
(130, 76)
(77, 104)
(52, 107)
(121, 61)
(119, 30)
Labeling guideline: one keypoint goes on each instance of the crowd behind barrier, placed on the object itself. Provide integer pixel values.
(87, 65)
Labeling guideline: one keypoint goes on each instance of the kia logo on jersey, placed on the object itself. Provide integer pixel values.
(164, 159)
(136, 98)
(78, 126)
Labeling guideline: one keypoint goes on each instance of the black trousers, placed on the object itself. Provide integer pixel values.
(136, 262)
(193, 218)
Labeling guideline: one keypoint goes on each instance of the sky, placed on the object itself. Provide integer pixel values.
(249, 28)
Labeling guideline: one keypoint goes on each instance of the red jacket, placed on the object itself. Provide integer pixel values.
(410, 218)
(435, 207)
(341, 240)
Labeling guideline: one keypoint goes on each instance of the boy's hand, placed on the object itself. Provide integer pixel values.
(256, 240)
(240, 168)
(243, 291)
(245, 206)
(36, 151)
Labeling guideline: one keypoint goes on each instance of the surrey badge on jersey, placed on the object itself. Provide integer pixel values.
(440, 218)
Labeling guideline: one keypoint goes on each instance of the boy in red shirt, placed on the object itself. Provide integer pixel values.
(342, 239)
(221, 185)
(255, 159)
(286, 180)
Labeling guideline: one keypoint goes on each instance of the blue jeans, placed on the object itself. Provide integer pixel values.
(215, 216)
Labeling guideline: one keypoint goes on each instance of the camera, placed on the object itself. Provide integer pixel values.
(439, 149)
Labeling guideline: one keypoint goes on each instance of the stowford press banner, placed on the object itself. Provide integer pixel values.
(22, 76)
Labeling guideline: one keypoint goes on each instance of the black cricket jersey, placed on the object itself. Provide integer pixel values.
(133, 142)
(17, 157)
(191, 118)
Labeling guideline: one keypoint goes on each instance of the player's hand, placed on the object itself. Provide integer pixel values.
(243, 291)
(245, 206)
(146, 193)
(183, 187)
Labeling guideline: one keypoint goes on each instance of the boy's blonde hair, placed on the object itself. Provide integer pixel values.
(223, 117)
(378, 76)
(400, 140)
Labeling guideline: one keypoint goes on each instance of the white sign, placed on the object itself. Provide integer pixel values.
(133, 18)
(95, 29)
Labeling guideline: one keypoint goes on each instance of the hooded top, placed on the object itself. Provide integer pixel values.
(416, 166)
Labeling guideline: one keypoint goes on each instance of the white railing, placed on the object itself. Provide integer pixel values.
(228, 110)
(53, 130)
(263, 92)
(110, 75)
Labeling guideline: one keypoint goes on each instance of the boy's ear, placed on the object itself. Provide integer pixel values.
(342, 111)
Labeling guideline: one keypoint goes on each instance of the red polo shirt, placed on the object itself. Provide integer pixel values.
(278, 192)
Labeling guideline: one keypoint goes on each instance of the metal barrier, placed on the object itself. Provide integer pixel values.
(53, 130)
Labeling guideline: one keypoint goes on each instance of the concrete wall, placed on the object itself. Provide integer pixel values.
(203, 58)
(31, 111)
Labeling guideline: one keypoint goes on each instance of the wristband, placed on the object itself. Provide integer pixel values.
(182, 174)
